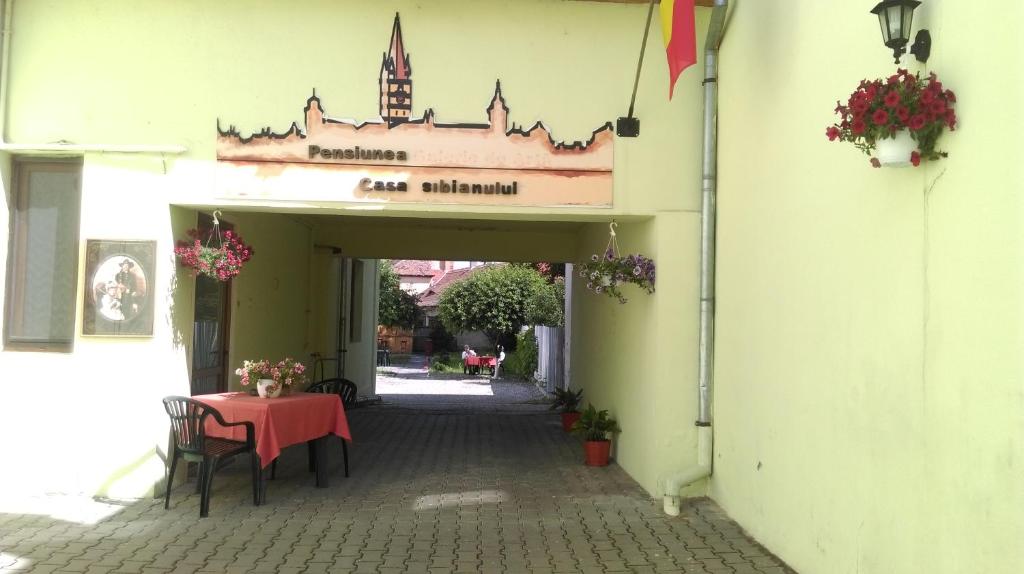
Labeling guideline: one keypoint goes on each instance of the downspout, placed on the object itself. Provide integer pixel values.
(5, 67)
(676, 482)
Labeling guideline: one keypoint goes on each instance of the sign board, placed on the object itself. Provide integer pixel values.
(399, 158)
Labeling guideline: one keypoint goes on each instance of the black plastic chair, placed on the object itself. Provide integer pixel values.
(188, 433)
(344, 388)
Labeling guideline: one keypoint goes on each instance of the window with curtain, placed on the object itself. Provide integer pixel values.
(43, 271)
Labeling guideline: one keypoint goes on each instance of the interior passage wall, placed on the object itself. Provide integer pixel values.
(638, 359)
(273, 301)
(868, 408)
(453, 241)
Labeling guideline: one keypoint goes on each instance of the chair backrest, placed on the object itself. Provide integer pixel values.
(345, 388)
(188, 421)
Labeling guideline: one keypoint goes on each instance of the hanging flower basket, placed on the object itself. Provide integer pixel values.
(898, 119)
(217, 255)
(606, 273)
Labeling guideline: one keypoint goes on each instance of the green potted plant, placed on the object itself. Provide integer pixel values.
(567, 400)
(595, 426)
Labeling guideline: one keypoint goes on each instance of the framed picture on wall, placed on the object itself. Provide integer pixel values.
(119, 288)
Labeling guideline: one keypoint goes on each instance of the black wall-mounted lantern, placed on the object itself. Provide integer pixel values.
(896, 18)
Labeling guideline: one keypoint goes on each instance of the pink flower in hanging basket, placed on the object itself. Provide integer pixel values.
(219, 257)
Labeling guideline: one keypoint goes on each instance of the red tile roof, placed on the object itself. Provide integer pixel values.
(432, 296)
(414, 268)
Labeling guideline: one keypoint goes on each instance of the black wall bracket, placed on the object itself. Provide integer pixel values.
(627, 127)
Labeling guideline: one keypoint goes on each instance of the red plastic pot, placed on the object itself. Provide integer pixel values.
(569, 419)
(597, 452)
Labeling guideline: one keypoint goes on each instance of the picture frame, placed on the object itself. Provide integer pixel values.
(118, 295)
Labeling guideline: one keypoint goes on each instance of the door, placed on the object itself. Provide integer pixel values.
(210, 330)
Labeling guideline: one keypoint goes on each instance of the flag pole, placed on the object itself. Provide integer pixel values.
(630, 126)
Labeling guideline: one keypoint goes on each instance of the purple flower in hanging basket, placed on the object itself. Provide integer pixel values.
(637, 271)
(609, 255)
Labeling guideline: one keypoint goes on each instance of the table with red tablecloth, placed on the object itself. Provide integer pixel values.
(474, 362)
(279, 422)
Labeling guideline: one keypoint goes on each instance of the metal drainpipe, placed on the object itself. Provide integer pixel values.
(676, 482)
(5, 66)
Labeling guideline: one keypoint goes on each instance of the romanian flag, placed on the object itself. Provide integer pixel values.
(680, 38)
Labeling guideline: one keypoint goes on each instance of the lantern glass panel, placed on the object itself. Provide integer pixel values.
(884, 23)
(896, 30)
(908, 19)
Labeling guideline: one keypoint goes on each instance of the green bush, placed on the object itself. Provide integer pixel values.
(445, 363)
(522, 363)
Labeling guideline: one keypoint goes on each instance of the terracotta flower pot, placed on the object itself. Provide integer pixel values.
(569, 419)
(597, 452)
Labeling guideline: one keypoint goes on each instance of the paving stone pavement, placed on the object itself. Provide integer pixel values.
(447, 392)
(430, 491)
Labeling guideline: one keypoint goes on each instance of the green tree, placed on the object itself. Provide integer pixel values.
(395, 307)
(495, 301)
(547, 305)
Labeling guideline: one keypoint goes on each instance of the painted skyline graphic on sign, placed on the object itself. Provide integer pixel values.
(413, 152)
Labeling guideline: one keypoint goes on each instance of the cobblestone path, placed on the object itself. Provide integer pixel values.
(429, 492)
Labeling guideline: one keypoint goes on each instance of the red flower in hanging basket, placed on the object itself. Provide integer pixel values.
(879, 109)
(219, 256)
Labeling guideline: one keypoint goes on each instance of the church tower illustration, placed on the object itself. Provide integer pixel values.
(396, 80)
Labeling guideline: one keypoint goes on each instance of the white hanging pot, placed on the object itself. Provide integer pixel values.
(267, 388)
(895, 151)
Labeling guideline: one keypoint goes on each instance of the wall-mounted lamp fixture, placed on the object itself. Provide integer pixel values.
(896, 17)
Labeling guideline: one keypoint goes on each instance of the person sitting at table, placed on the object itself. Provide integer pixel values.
(467, 352)
(497, 362)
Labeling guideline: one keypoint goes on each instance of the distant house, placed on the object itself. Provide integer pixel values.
(428, 280)
(431, 297)
(414, 276)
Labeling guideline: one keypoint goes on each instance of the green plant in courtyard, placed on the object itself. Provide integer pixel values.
(547, 305)
(566, 400)
(446, 363)
(495, 301)
(395, 307)
(595, 425)
(522, 363)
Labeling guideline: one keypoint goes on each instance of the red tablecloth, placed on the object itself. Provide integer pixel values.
(280, 422)
(485, 361)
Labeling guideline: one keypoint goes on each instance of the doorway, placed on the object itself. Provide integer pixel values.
(210, 326)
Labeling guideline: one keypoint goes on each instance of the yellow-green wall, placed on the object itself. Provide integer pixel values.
(638, 359)
(143, 74)
(163, 73)
(868, 408)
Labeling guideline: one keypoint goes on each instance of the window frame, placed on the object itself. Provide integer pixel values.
(21, 169)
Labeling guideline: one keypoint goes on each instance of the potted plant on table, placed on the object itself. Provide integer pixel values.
(595, 426)
(272, 379)
(567, 400)
(897, 120)
(288, 372)
(258, 373)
